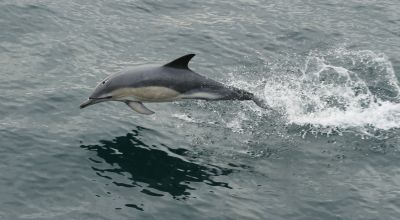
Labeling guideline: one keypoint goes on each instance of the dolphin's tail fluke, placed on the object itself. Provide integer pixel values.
(244, 95)
(261, 103)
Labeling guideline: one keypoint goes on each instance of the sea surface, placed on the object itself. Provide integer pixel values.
(329, 148)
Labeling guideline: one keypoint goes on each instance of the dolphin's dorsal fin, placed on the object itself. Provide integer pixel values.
(181, 62)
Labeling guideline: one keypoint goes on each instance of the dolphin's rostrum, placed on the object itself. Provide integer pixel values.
(170, 82)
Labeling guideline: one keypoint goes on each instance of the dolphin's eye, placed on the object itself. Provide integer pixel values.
(103, 82)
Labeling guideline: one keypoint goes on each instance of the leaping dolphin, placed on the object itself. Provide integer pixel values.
(170, 82)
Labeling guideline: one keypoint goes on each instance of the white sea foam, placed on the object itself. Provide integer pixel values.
(384, 116)
(340, 89)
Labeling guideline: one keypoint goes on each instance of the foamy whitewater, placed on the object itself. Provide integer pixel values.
(340, 89)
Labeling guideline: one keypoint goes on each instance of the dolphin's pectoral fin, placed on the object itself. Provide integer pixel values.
(139, 107)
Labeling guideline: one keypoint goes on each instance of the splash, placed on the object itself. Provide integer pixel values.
(328, 92)
(340, 89)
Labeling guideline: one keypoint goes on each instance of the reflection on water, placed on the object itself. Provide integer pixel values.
(159, 167)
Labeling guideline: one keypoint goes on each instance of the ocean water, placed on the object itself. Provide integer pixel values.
(328, 149)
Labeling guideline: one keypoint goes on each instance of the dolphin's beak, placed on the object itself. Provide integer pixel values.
(92, 101)
(87, 103)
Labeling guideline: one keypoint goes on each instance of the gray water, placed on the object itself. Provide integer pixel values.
(329, 149)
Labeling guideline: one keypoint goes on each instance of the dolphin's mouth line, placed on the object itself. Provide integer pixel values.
(92, 101)
(108, 97)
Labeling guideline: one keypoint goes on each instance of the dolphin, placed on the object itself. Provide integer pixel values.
(170, 82)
